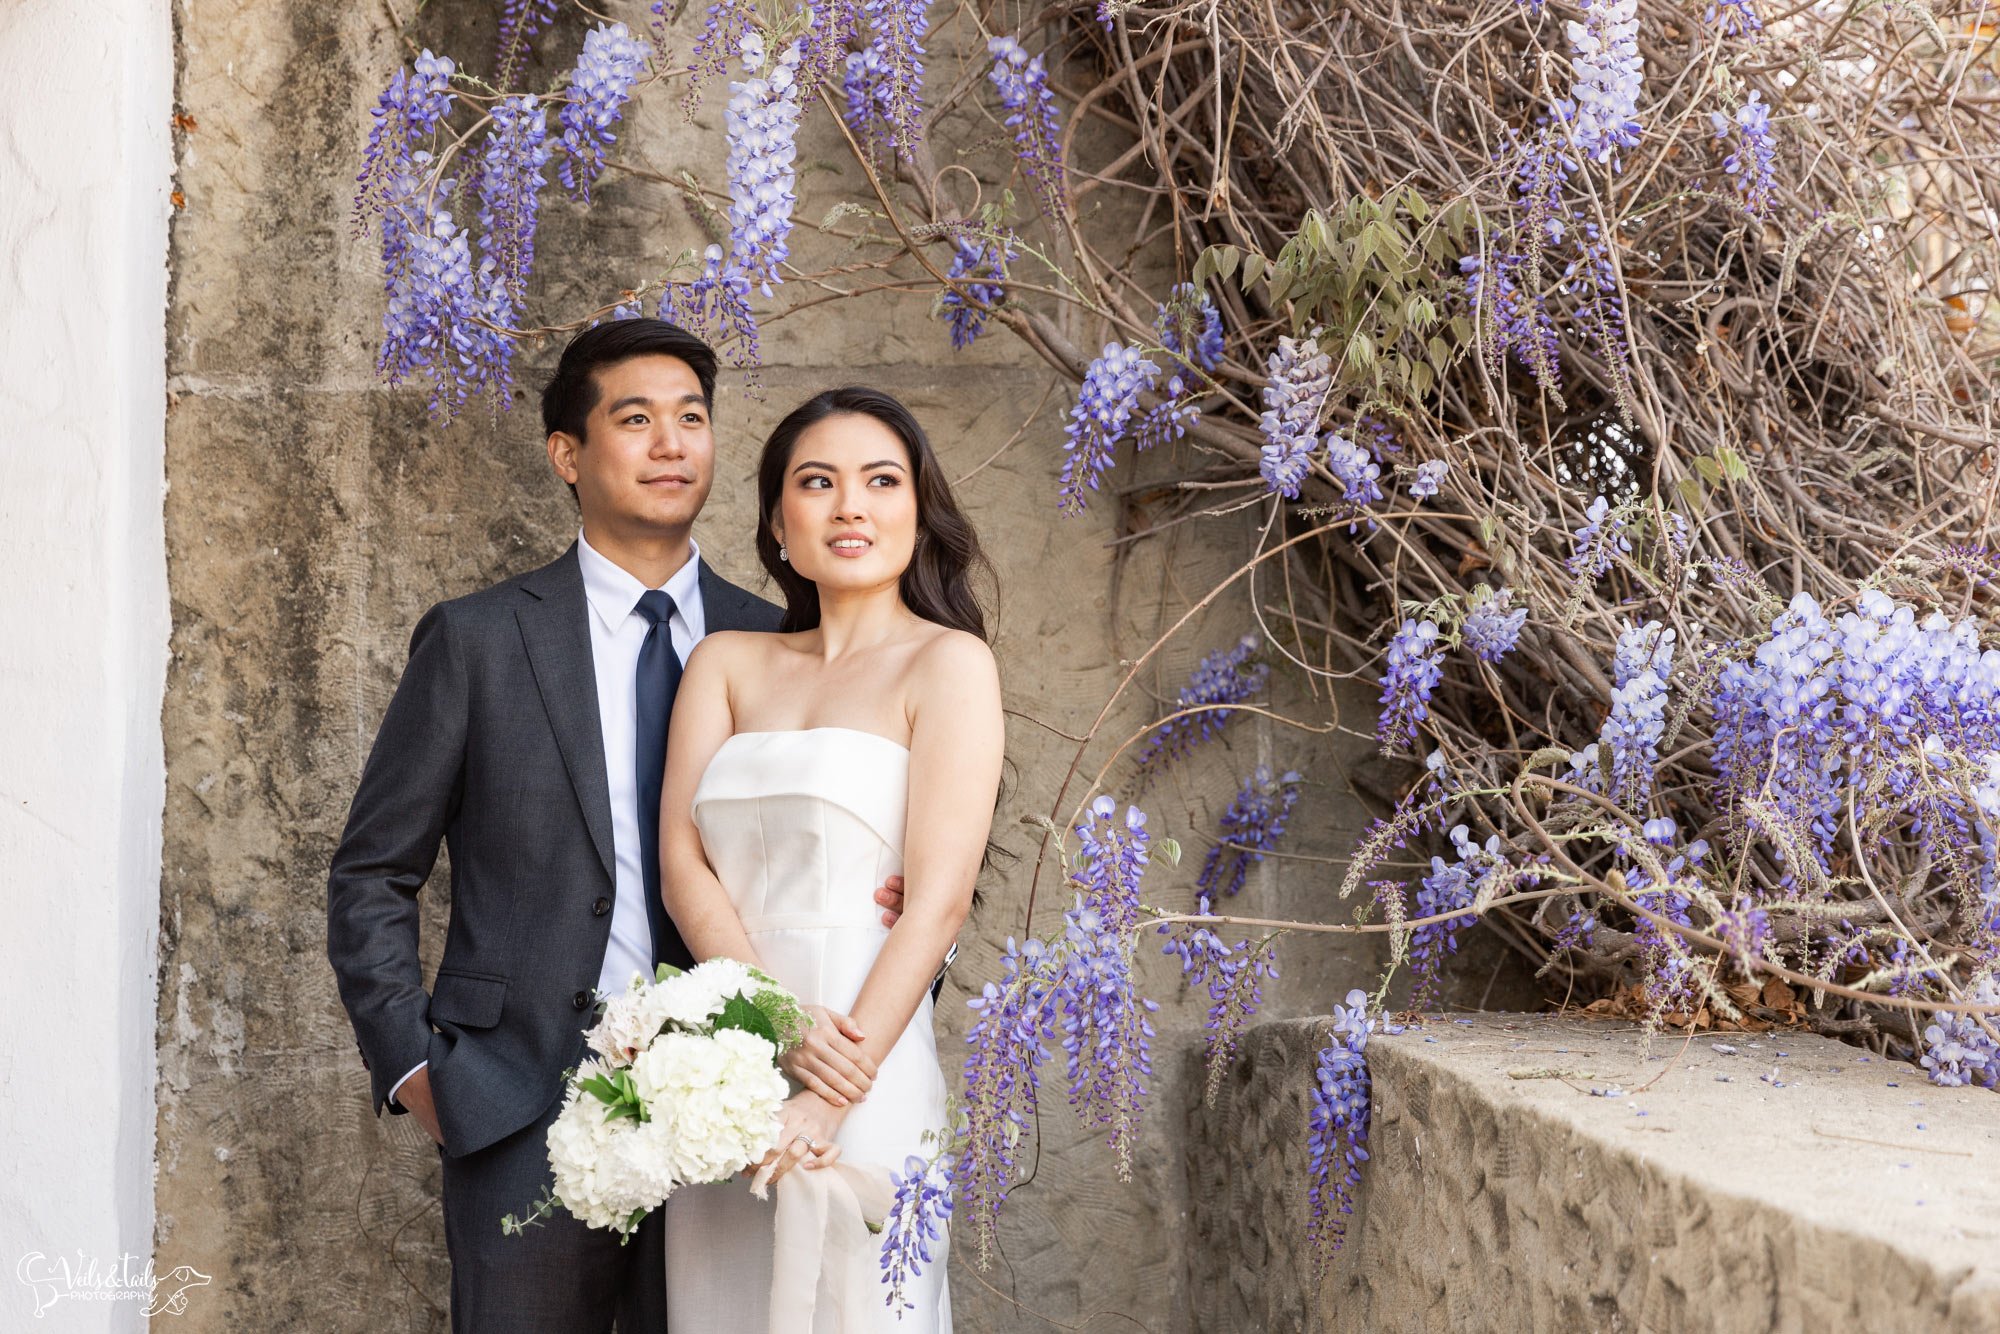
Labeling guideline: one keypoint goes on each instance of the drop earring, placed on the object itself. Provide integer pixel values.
(781, 552)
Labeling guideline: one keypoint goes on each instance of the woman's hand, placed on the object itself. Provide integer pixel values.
(830, 1062)
(806, 1117)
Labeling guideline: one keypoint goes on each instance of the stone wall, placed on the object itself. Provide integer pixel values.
(314, 515)
(1539, 1173)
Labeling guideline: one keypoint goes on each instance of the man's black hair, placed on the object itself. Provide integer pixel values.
(573, 391)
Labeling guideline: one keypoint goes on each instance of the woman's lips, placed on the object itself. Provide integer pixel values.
(850, 552)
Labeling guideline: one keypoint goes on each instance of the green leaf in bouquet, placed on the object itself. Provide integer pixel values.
(787, 1016)
(665, 971)
(739, 1011)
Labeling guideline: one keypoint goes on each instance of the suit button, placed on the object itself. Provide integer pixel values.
(581, 1000)
(601, 907)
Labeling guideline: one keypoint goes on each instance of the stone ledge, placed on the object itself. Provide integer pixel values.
(1850, 1194)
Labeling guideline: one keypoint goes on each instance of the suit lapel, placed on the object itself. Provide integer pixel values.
(724, 606)
(556, 631)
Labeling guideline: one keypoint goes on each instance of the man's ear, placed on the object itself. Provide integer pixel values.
(562, 455)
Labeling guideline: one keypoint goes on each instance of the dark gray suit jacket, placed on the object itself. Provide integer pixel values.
(492, 744)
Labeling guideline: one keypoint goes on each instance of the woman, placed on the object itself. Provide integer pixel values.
(861, 741)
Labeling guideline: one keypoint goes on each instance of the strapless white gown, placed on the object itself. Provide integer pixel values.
(802, 827)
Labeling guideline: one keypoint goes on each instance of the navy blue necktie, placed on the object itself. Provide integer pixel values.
(659, 676)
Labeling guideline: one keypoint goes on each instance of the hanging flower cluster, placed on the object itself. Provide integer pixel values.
(981, 264)
(1077, 990)
(919, 1211)
(1219, 680)
(1099, 420)
(1753, 161)
(1023, 85)
(1337, 1134)
(1415, 666)
(1603, 107)
(762, 123)
(610, 64)
(1492, 624)
(883, 82)
(1301, 377)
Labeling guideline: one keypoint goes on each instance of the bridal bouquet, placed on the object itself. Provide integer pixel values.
(684, 1088)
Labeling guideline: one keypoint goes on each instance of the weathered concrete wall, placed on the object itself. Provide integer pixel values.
(313, 516)
(1796, 1184)
(85, 100)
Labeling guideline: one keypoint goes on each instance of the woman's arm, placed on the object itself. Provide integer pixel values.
(702, 721)
(957, 735)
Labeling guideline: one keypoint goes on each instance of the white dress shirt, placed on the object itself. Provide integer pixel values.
(616, 632)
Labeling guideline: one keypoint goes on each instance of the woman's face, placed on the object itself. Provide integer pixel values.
(848, 512)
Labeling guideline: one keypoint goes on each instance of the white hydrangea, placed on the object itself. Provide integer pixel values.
(630, 1022)
(693, 998)
(593, 1179)
(719, 1096)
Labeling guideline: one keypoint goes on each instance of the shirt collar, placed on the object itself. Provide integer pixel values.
(613, 591)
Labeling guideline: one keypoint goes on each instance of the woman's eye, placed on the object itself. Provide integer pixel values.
(887, 478)
(814, 483)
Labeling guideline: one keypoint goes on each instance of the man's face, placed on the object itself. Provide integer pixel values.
(648, 456)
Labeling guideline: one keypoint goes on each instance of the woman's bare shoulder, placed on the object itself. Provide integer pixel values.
(951, 663)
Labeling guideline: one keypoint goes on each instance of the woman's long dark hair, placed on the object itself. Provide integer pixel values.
(938, 583)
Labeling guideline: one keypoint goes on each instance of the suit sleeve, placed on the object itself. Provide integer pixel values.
(409, 793)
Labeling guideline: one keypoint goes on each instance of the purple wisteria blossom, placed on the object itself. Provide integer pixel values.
(1014, 1021)
(427, 326)
(1414, 668)
(1189, 328)
(1100, 418)
(610, 63)
(510, 182)
(1301, 377)
(1221, 679)
(1600, 540)
(520, 20)
(762, 123)
(1896, 713)
(1449, 887)
(1023, 85)
(1735, 17)
(1666, 966)
(981, 263)
(1957, 1051)
(883, 81)
(1358, 472)
(919, 1211)
(1430, 474)
(1507, 289)
(1337, 1135)
(1078, 990)
(1492, 623)
(1603, 106)
(1106, 1034)
(405, 117)
(1752, 163)
(1744, 931)
(1252, 826)
(723, 28)
(1233, 977)
(716, 305)
(1630, 737)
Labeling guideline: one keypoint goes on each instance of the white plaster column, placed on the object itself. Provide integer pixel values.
(86, 166)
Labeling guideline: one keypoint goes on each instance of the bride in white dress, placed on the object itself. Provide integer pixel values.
(803, 769)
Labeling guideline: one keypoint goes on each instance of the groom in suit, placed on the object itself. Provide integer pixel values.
(529, 733)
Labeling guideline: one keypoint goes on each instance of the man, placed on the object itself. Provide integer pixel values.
(529, 733)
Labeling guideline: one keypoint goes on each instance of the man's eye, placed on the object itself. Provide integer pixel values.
(693, 419)
(635, 417)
